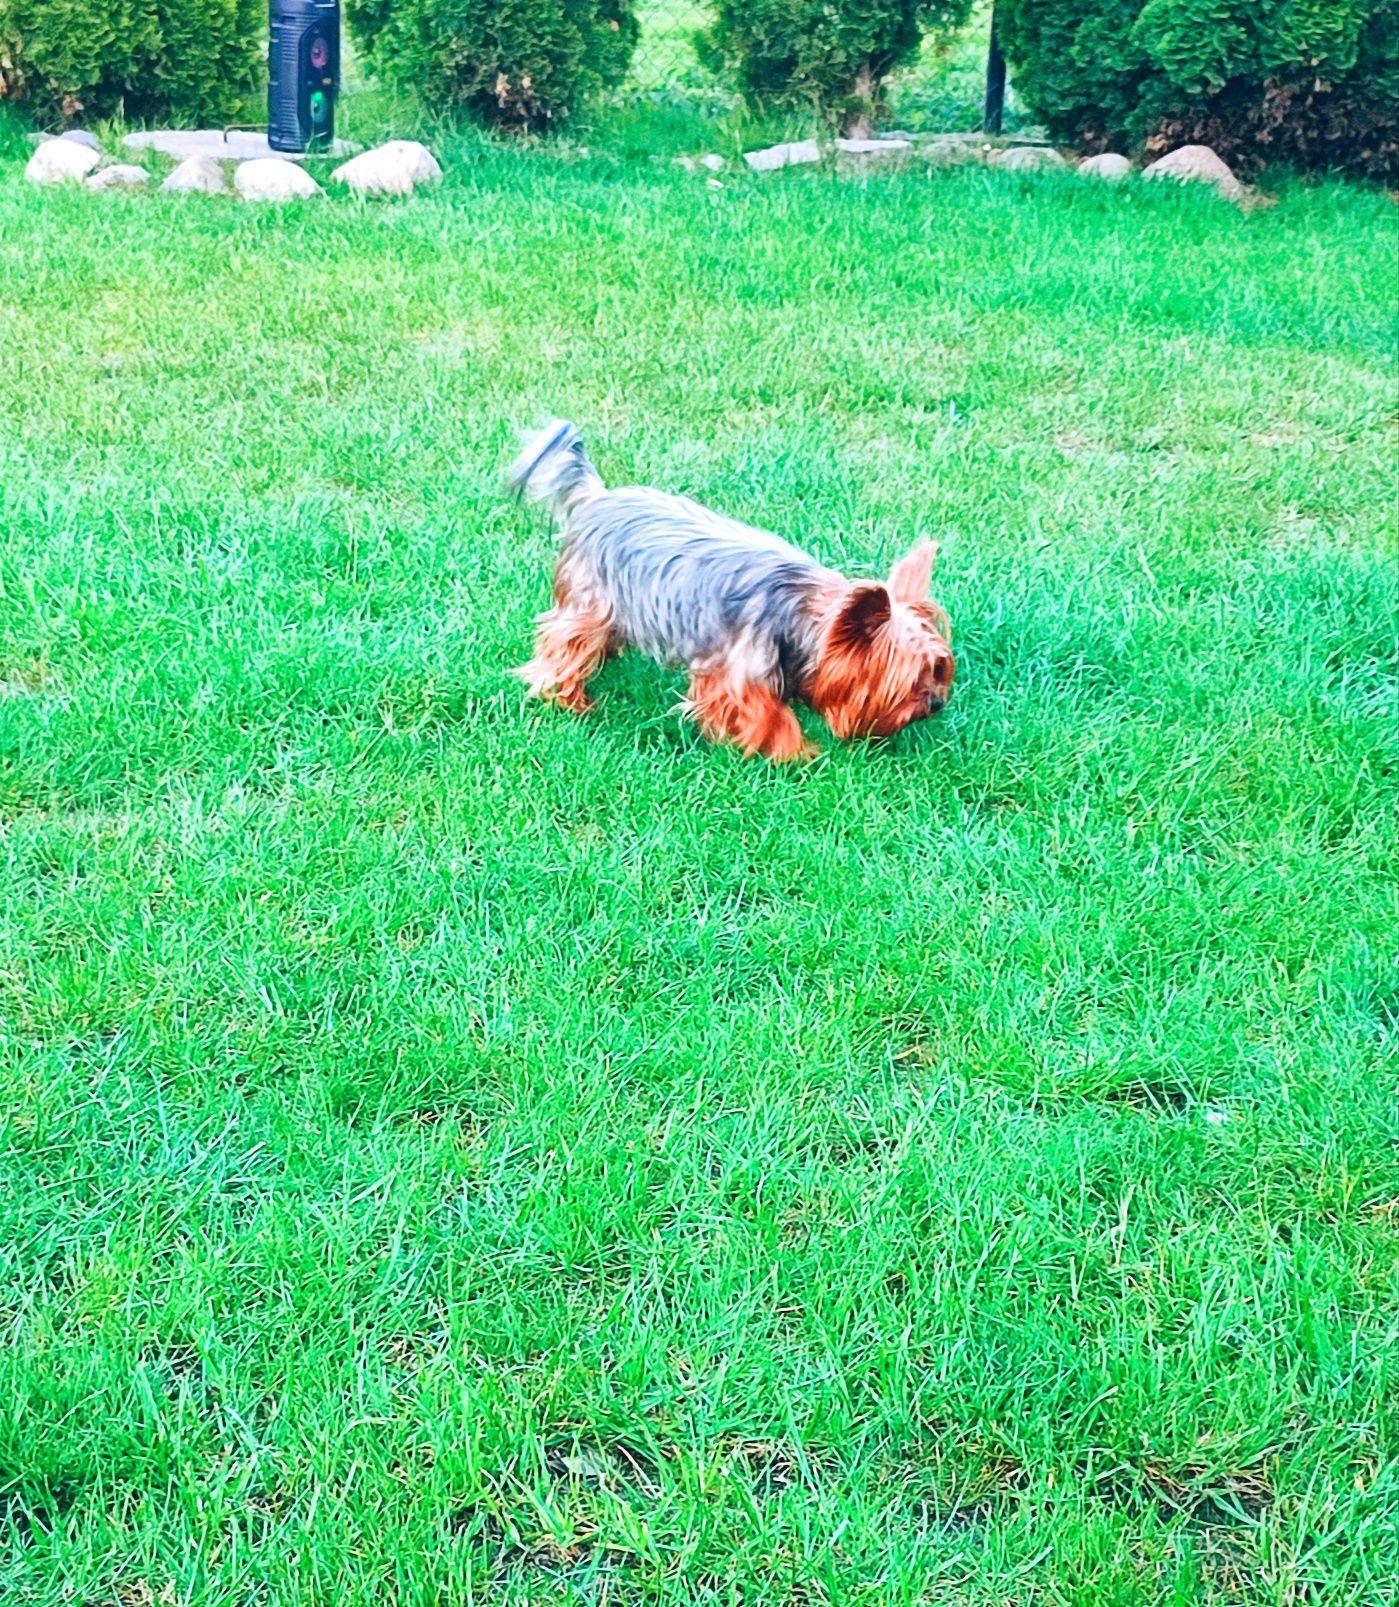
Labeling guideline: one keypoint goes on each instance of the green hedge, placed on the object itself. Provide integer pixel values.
(520, 62)
(833, 57)
(73, 60)
(1312, 82)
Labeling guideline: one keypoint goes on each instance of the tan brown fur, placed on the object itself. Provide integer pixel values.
(758, 622)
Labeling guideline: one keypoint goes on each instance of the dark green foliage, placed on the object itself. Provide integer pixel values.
(835, 57)
(522, 62)
(147, 59)
(1315, 82)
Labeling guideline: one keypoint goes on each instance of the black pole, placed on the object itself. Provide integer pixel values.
(995, 83)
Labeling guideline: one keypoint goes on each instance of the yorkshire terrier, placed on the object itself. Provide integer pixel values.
(754, 619)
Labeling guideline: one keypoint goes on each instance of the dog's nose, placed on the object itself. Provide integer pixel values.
(936, 704)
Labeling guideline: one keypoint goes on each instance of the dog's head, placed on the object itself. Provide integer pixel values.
(885, 659)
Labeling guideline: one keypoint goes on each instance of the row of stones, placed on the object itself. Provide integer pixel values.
(396, 168)
(1196, 162)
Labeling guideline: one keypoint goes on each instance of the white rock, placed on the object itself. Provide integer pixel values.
(122, 176)
(228, 145)
(1108, 166)
(1196, 164)
(204, 174)
(1026, 159)
(60, 161)
(392, 169)
(714, 163)
(868, 152)
(688, 163)
(872, 147)
(80, 136)
(266, 178)
(798, 154)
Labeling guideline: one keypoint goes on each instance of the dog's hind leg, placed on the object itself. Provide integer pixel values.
(750, 715)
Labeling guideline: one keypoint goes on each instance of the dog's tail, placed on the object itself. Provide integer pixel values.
(554, 468)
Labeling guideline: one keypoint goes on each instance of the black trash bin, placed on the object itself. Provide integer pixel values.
(303, 73)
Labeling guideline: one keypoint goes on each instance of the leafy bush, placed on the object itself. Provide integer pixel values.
(1314, 82)
(522, 62)
(835, 57)
(192, 60)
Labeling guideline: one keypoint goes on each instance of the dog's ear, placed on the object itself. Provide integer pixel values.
(866, 612)
(909, 579)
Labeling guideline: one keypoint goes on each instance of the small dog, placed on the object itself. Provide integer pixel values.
(755, 620)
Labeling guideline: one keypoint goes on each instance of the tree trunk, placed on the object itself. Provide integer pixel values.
(859, 124)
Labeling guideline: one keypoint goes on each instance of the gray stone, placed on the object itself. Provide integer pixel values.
(61, 161)
(1027, 159)
(855, 153)
(687, 163)
(121, 176)
(392, 169)
(231, 145)
(799, 153)
(80, 136)
(1197, 164)
(714, 163)
(267, 179)
(872, 147)
(950, 152)
(1108, 166)
(203, 174)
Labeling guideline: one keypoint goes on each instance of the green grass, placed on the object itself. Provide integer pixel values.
(455, 1153)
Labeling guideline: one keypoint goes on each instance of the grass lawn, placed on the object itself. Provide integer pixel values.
(451, 1152)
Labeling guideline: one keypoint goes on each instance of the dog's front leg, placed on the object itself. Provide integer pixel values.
(569, 648)
(748, 714)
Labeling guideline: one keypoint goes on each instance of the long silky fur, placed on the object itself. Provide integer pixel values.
(755, 619)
